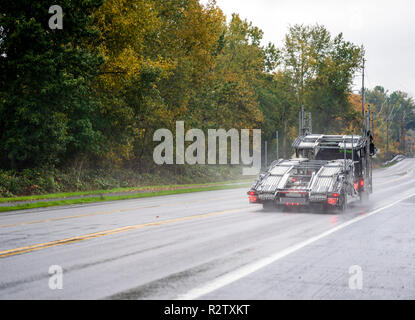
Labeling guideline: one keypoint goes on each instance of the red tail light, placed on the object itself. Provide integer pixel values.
(253, 199)
(359, 184)
(332, 201)
(335, 195)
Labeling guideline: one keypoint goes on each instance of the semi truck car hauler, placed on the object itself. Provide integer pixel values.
(327, 172)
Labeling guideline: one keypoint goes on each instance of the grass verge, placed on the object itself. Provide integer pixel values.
(106, 197)
(114, 190)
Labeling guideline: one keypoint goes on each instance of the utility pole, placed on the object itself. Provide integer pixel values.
(400, 133)
(304, 124)
(387, 138)
(266, 154)
(403, 132)
(310, 124)
(369, 113)
(388, 119)
(363, 93)
(276, 135)
(302, 120)
(365, 125)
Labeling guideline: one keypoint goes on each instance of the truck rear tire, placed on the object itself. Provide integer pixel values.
(343, 206)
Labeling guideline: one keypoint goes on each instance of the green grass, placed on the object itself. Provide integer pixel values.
(102, 197)
(114, 190)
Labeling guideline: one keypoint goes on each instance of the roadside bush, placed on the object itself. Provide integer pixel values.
(50, 180)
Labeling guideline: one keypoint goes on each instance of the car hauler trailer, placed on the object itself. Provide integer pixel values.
(327, 172)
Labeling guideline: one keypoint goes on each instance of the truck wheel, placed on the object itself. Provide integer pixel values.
(343, 206)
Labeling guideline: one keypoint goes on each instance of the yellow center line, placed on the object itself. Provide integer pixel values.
(71, 217)
(49, 244)
(100, 213)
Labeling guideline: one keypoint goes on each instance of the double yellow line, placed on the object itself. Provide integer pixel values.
(49, 244)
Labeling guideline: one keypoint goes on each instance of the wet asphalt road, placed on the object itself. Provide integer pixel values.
(214, 245)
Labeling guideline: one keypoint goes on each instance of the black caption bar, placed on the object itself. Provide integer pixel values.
(209, 309)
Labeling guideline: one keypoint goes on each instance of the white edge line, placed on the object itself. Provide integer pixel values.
(252, 267)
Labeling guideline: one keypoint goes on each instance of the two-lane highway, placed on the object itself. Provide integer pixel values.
(214, 245)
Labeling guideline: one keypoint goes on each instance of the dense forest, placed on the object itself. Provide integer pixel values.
(81, 103)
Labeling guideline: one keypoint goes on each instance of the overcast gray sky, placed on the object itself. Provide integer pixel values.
(385, 28)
